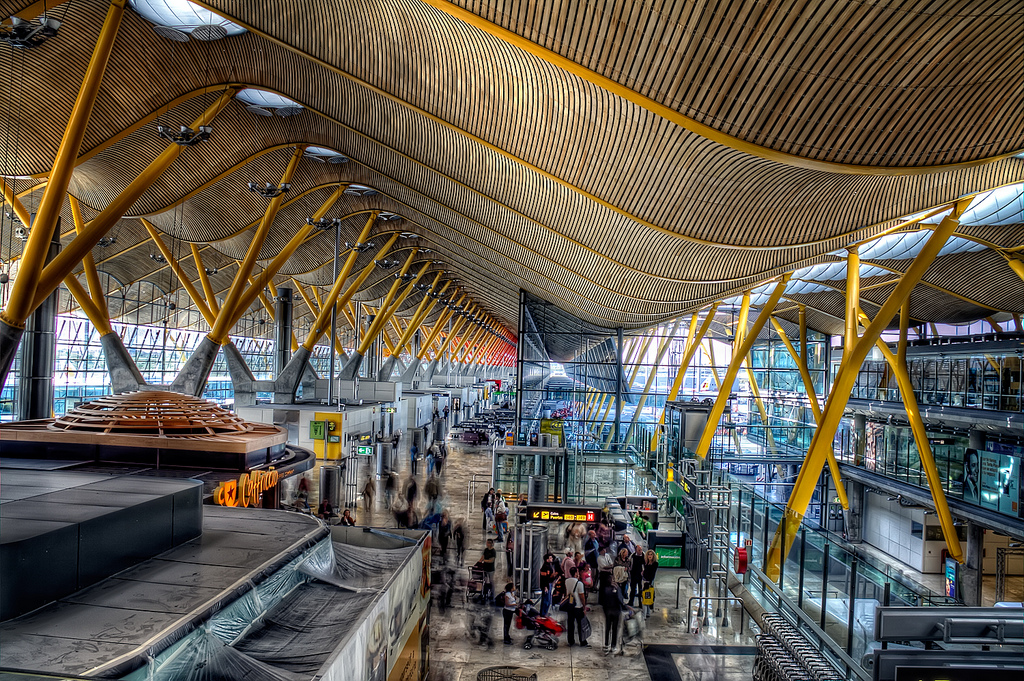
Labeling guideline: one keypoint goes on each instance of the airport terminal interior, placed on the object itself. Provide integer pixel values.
(409, 340)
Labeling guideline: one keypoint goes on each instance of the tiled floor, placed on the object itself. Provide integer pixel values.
(676, 649)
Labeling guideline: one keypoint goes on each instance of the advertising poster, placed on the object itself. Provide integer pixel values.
(990, 480)
(410, 596)
(950, 572)
(972, 474)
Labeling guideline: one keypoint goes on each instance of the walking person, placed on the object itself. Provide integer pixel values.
(508, 610)
(444, 534)
(486, 504)
(369, 492)
(459, 534)
(487, 567)
(509, 549)
(636, 574)
(614, 602)
(390, 483)
(650, 570)
(414, 452)
(576, 603)
(548, 575)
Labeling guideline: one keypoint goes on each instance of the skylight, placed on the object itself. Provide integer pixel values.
(179, 19)
(263, 103)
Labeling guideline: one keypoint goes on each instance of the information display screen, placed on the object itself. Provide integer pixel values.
(562, 513)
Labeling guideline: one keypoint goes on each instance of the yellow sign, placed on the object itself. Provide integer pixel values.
(247, 490)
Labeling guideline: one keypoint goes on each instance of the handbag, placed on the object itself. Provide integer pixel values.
(585, 628)
(647, 596)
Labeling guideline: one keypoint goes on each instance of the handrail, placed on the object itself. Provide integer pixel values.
(689, 606)
(833, 647)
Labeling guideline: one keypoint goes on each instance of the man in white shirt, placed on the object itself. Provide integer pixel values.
(576, 597)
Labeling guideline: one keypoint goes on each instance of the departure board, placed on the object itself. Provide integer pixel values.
(561, 513)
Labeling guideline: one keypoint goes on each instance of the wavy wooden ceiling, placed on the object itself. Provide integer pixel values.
(518, 174)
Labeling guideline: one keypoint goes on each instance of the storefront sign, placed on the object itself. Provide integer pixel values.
(561, 513)
(247, 490)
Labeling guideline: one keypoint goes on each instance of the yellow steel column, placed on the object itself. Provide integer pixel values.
(422, 310)
(652, 375)
(33, 257)
(442, 319)
(693, 343)
(924, 449)
(852, 297)
(710, 351)
(846, 378)
(72, 254)
(229, 314)
(91, 275)
(332, 299)
(176, 268)
(734, 366)
(204, 280)
(812, 398)
(98, 317)
(266, 277)
(383, 314)
(738, 337)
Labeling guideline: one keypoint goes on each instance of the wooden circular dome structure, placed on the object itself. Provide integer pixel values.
(151, 412)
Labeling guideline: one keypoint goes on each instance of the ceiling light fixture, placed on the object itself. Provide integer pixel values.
(323, 224)
(27, 34)
(187, 137)
(269, 191)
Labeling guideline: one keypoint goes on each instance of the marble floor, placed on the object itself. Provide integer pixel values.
(675, 646)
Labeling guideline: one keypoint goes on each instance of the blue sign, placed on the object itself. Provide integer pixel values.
(952, 568)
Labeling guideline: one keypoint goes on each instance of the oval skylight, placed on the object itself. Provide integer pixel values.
(323, 154)
(263, 103)
(180, 19)
(360, 190)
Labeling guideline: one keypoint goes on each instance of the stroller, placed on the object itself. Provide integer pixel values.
(545, 630)
(475, 587)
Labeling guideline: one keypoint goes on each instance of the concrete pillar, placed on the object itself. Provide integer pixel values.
(855, 516)
(38, 351)
(971, 571)
(283, 329)
(860, 438)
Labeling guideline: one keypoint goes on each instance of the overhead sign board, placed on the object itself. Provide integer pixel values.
(562, 513)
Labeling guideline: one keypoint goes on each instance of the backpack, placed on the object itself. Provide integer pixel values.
(499, 600)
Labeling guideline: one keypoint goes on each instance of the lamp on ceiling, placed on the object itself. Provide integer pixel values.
(359, 247)
(269, 191)
(27, 34)
(106, 241)
(157, 257)
(323, 224)
(210, 271)
(386, 264)
(186, 136)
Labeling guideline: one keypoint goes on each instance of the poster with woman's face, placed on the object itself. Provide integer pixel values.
(972, 474)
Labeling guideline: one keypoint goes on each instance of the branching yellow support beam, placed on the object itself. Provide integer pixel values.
(204, 280)
(385, 311)
(710, 351)
(812, 398)
(924, 450)
(72, 254)
(424, 308)
(230, 312)
(651, 376)
(846, 377)
(738, 336)
(442, 319)
(91, 275)
(852, 297)
(693, 343)
(734, 366)
(321, 324)
(98, 317)
(178, 272)
(33, 257)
